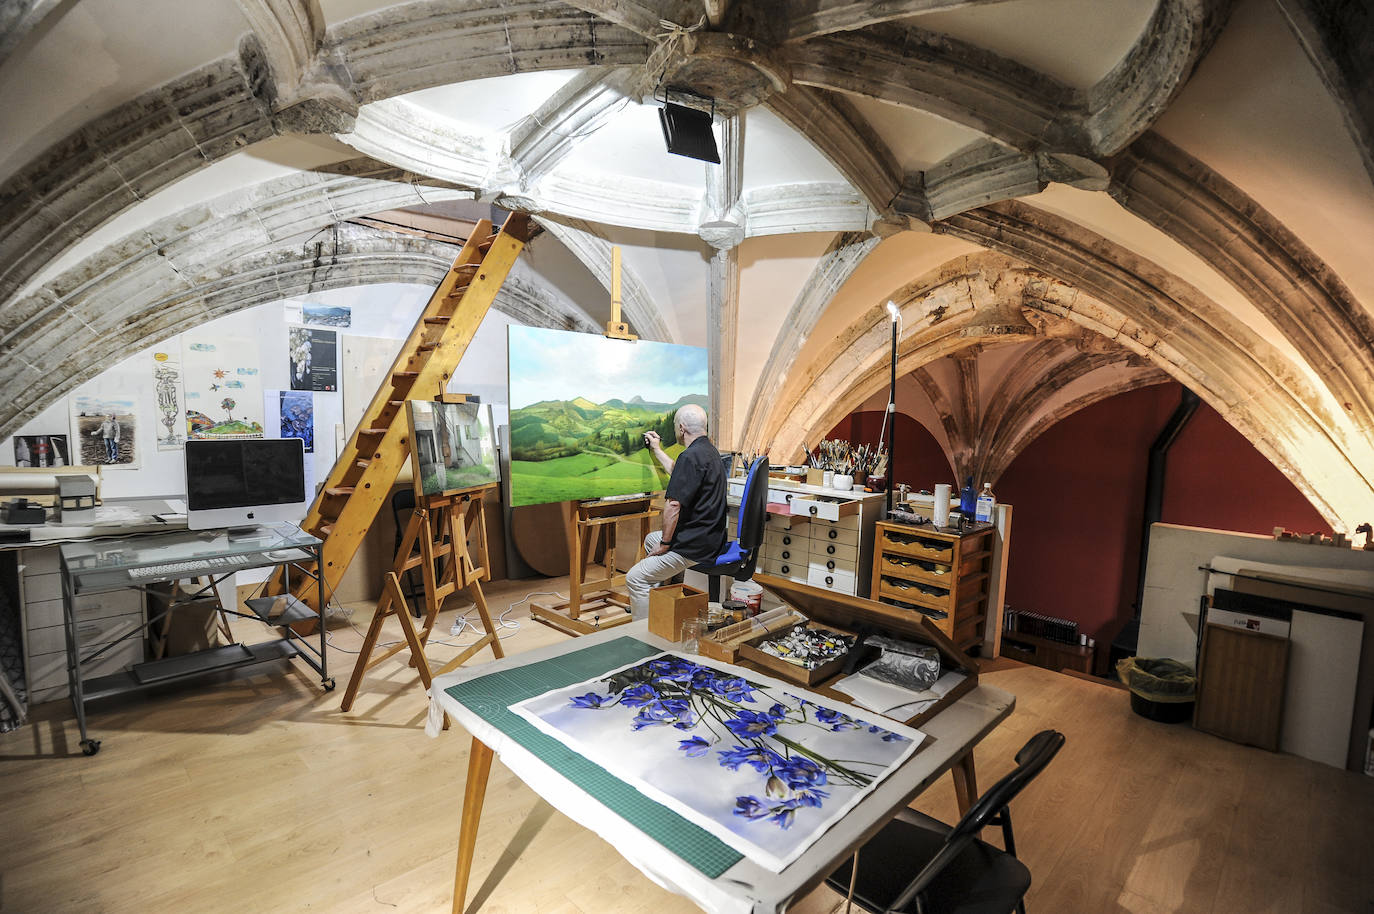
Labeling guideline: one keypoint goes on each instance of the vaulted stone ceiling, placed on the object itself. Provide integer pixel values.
(1065, 198)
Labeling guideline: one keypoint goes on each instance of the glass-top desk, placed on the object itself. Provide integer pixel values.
(212, 555)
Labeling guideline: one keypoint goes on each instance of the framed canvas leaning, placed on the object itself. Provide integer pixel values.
(453, 446)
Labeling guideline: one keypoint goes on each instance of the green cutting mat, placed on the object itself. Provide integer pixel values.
(489, 697)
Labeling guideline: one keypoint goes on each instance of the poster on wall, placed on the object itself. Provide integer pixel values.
(326, 315)
(223, 387)
(171, 402)
(314, 359)
(580, 404)
(41, 451)
(105, 429)
(296, 412)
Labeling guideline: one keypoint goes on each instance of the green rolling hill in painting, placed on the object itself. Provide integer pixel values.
(564, 450)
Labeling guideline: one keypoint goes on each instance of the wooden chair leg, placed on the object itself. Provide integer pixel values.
(479, 769)
(965, 782)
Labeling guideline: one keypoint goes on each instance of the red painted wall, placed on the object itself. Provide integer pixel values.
(920, 460)
(1079, 490)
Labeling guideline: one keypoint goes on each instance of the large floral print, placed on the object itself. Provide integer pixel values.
(764, 766)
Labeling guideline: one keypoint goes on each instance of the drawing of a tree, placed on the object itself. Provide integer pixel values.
(228, 404)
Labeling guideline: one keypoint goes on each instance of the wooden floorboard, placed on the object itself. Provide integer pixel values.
(259, 795)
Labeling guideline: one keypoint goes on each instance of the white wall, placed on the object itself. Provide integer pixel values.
(384, 311)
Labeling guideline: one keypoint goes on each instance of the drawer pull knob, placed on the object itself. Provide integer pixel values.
(829, 581)
(830, 550)
(834, 534)
(787, 540)
(786, 569)
(786, 554)
(813, 510)
(830, 566)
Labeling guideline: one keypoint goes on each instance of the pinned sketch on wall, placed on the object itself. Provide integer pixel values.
(105, 428)
(223, 387)
(171, 402)
(453, 446)
(296, 410)
(41, 451)
(365, 362)
(314, 359)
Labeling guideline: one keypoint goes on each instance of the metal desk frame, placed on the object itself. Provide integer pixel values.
(254, 553)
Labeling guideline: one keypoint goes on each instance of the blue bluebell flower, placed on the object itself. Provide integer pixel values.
(836, 720)
(811, 798)
(777, 712)
(695, 747)
(783, 815)
(733, 688)
(750, 808)
(799, 772)
(638, 694)
(590, 700)
(756, 757)
(751, 724)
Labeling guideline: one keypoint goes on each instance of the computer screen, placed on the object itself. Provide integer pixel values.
(242, 483)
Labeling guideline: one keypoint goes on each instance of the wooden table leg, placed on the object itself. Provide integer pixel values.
(965, 782)
(479, 768)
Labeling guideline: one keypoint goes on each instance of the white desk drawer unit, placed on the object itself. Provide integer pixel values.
(101, 618)
(823, 549)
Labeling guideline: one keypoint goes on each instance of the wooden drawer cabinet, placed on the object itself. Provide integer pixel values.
(944, 573)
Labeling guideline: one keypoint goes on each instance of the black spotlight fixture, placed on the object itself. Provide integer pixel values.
(687, 132)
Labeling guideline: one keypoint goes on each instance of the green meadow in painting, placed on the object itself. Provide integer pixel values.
(589, 443)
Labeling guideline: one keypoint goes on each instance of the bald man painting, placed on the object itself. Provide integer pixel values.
(693, 510)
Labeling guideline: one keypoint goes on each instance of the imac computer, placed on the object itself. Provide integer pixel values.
(246, 483)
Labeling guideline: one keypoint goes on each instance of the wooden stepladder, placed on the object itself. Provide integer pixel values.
(363, 475)
(436, 542)
(592, 526)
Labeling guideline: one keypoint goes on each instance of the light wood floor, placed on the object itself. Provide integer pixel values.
(258, 795)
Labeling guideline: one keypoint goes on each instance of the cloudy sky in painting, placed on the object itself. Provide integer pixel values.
(561, 365)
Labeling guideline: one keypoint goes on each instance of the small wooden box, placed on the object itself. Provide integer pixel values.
(670, 606)
(815, 477)
(792, 672)
(723, 643)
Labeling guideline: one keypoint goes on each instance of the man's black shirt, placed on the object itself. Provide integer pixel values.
(698, 484)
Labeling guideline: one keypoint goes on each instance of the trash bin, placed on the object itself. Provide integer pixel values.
(1161, 689)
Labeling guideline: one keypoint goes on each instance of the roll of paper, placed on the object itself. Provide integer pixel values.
(941, 513)
(28, 483)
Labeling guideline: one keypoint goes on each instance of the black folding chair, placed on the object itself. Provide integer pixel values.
(955, 872)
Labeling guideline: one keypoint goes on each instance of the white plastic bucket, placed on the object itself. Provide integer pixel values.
(748, 593)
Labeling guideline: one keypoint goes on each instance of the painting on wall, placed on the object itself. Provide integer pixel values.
(453, 446)
(765, 767)
(580, 405)
(223, 387)
(41, 451)
(297, 411)
(314, 356)
(171, 402)
(326, 315)
(105, 429)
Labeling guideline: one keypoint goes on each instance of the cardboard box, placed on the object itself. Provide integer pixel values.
(672, 605)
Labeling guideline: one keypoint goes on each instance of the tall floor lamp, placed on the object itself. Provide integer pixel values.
(890, 417)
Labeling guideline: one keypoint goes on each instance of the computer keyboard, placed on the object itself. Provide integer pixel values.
(189, 567)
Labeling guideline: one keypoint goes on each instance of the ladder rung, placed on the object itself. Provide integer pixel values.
(372, 432)
(426, 347)
(362, 463)
(326, 529)
(398, 377)
(340, 490)
(441, 319)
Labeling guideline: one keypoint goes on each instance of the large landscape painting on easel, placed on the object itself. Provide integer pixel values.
(580, 405)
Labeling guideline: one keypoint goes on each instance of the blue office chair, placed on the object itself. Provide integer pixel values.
(738, 558)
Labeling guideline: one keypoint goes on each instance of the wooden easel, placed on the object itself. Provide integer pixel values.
(592, 526)
(440, 526)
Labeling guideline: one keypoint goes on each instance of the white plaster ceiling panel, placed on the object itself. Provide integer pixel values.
(278, 157)
(93, 55)
(1075, 41)
(993, 364)
(559, 269)
(631, 145)
(917, 139)
(674, 270)
(490, 106)
(774, 153)
(1103, 215)
(1257, 112)
(889, 266)
(773, 272)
